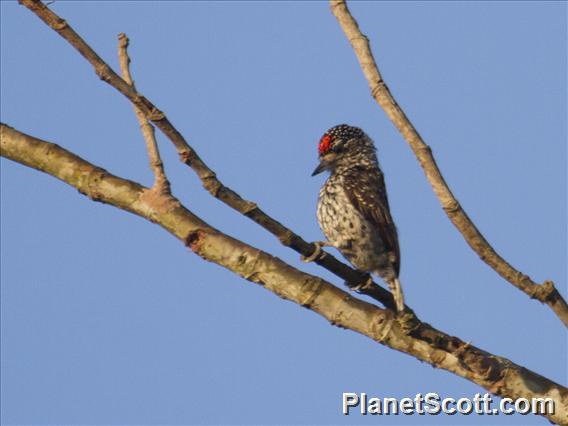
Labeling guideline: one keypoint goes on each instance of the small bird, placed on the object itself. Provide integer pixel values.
(353, 209)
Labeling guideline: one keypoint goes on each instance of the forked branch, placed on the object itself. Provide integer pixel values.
(545, 293)
(161, 183)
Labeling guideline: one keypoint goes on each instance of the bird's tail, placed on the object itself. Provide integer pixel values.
(396, 289)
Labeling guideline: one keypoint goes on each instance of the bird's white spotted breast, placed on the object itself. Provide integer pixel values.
(347, 229)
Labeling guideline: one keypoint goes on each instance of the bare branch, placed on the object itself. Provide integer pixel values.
(498, 375)
(207, 176)
(545, 293)
(161, 183)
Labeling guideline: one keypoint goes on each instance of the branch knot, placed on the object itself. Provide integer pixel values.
(60, 24)
(103, 70)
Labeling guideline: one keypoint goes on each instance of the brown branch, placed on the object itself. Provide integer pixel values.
(207, 176)
(161, 183)
(545, 293)
(498, 375)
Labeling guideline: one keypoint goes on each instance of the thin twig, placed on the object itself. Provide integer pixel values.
(498, 375)
(161, 183)
(190, 157)
(545, 293)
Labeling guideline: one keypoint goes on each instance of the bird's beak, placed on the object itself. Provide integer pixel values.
(326, 163)
(322, 166)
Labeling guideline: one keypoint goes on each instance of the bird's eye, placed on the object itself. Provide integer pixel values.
(337, 147)
(324, 144)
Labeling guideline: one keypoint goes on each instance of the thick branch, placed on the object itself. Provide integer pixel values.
(496, 374)
(545, 293)
(190, 157)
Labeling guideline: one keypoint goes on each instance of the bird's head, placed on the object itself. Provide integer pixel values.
(345, 146)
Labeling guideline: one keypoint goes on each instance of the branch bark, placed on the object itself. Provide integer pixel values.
(207, 176)
(498, 375)
(545, 293)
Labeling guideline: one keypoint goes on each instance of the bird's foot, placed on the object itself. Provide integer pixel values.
(407, 321)
(317, 252)
(362, 286)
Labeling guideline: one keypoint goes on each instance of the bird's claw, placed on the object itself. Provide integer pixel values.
(317, 252)
(407, 321)
(364, 285)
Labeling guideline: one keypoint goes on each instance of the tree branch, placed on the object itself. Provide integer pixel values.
(161, 183)
(498, 375)
(545, 293)
(207, 176)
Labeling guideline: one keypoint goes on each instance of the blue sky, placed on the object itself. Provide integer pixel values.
(107, 319)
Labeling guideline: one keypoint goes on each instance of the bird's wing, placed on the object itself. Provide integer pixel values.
(367, 191)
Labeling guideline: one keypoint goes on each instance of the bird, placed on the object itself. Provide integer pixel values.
(353, 209)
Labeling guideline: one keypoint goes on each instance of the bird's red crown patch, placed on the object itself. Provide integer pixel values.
(324, 144)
